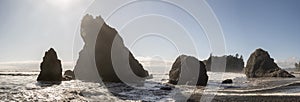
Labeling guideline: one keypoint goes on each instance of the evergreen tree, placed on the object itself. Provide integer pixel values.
(236, 55)
(241, 57)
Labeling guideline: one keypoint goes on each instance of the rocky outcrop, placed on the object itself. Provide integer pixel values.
(51, 69)
(188, 70)
(227, 81)
(85, 68)
(233, 63)
(260, 64)
(68, 75)
(105, 53)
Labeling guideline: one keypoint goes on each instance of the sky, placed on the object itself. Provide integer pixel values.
(270, 24)
(30, 27)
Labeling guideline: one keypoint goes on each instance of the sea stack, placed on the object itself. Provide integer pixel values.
(188, 70)
(105, 53)
(85, 68)
(51, 69)
(260, 64)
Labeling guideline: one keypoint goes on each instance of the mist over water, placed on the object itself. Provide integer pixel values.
(28, 66)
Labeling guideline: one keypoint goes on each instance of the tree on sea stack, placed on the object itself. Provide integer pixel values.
(51, 69)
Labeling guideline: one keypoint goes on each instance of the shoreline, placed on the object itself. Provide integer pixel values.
(252, 98)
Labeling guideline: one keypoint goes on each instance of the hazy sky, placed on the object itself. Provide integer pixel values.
(29, 27)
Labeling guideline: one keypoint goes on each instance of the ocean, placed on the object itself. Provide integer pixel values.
(18, 83)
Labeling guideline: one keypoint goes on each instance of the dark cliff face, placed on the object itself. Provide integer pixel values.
(85, 68)
(106, 53)
(51, 69)
(188, 70)
(260, 64)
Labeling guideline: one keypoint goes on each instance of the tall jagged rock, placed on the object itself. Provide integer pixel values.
(260, 64)
(188, 70)
(85, 68)
(51, 69)
(105, 53)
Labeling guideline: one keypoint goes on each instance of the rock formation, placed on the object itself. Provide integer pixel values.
(188, 70)
(233, 63)
(68, 75)
(260, 64)
(227, 81)
(51, 69)
(85, 68)
(105, 53)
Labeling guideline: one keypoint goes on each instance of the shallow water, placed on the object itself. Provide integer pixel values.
(22, 86)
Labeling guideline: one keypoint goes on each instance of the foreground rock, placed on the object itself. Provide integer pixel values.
(188, 70)
(51, 69)
(104, 52)
(260, 64)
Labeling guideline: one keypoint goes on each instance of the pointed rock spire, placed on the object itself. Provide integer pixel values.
(51, 69)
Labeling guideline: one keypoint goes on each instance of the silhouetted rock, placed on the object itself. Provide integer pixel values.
(227, 81)
(105, 53)
(260, 64)
(166, 88)
(188, 70)
(68, 75)
(85, 68)
(50, 67)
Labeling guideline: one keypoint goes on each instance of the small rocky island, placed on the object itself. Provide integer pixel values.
(260, 64)
(233, 63)
(51, 69)
(188, 70)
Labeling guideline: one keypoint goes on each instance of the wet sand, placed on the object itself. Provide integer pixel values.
(257, 90)
(256, 98)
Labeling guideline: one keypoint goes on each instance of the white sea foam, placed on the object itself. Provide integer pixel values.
(22, 86)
